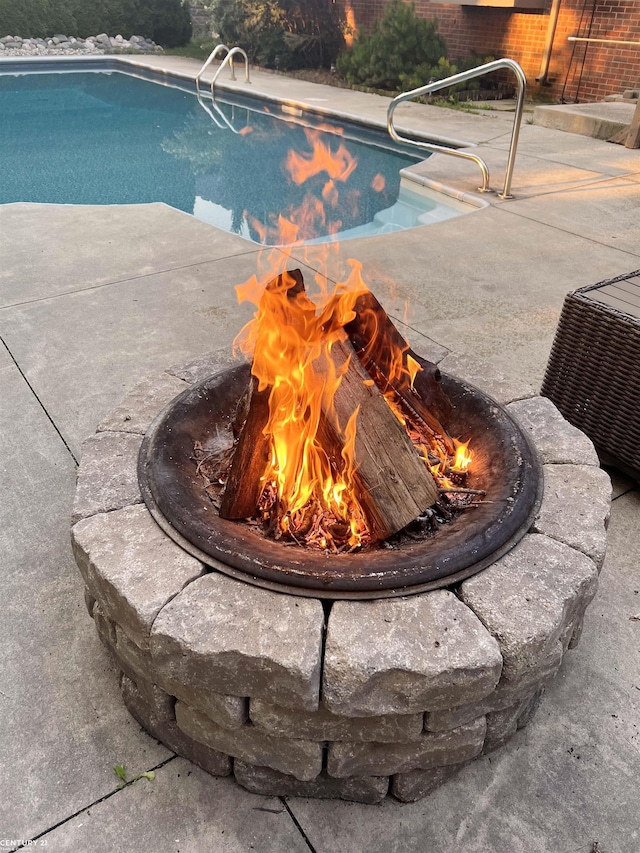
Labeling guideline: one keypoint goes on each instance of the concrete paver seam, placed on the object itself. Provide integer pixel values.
(297, 824)
(514, 212)
(85, 809)
(38, 400)
(134, 278)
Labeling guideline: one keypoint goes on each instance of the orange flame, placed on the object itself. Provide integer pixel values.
(378, 183)
(290, 341)
(338, 166)
(463, 457)
(413, 368)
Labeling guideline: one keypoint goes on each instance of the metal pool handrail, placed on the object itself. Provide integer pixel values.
(216, 50)
(461, 78)
(220, 119)
(228, 60)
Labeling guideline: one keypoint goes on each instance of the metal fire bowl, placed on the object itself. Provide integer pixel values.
(505, 465)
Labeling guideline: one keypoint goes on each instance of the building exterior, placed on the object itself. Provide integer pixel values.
(524, 30)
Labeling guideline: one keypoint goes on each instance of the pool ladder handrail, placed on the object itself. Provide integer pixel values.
(221, 120)
(228, 60)
(461, 78)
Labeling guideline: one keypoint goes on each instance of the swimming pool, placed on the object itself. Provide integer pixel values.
(107, 137)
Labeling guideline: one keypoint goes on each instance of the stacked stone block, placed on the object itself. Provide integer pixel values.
(352, 700)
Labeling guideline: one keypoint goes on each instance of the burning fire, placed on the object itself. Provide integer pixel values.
(290, 339)
(308, 496)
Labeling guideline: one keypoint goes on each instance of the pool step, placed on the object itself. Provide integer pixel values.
(420, 202)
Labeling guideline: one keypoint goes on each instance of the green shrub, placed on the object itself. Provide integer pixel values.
(165, 21)
(169, 22)
(26, 19)
(314, 32)
(402, 51)
(285, 34)
(257, 27)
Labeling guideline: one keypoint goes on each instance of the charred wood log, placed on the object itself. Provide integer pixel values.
(244, 485)
(244, 482)
(394, 484)
(385, 355)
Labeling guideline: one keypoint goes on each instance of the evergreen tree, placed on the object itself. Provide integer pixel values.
(281, 33)
(170, 22)
(167, 22)
(402, 51)
(27, 19)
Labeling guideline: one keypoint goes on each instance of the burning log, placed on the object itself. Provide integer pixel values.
(394, 484)
(244, 481)
(336, 447)
(385, 354)
(244, 486)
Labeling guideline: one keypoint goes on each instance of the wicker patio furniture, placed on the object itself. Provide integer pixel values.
(593, 374)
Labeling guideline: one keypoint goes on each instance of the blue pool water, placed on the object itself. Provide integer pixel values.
(110, 138)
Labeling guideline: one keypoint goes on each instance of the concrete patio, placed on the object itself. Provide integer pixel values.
(93, 300)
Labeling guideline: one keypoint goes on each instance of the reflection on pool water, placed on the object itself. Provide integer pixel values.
(111, 138)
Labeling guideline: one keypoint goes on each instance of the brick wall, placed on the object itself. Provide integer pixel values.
(521, 34)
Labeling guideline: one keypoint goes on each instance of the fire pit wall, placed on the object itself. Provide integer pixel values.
(355, 699)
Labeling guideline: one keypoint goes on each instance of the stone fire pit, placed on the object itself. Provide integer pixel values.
(350, 699)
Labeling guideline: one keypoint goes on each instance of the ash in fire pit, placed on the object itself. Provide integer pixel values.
(339, 438)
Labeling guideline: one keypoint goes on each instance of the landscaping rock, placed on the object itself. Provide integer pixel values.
(406, 655)
(62, 45)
